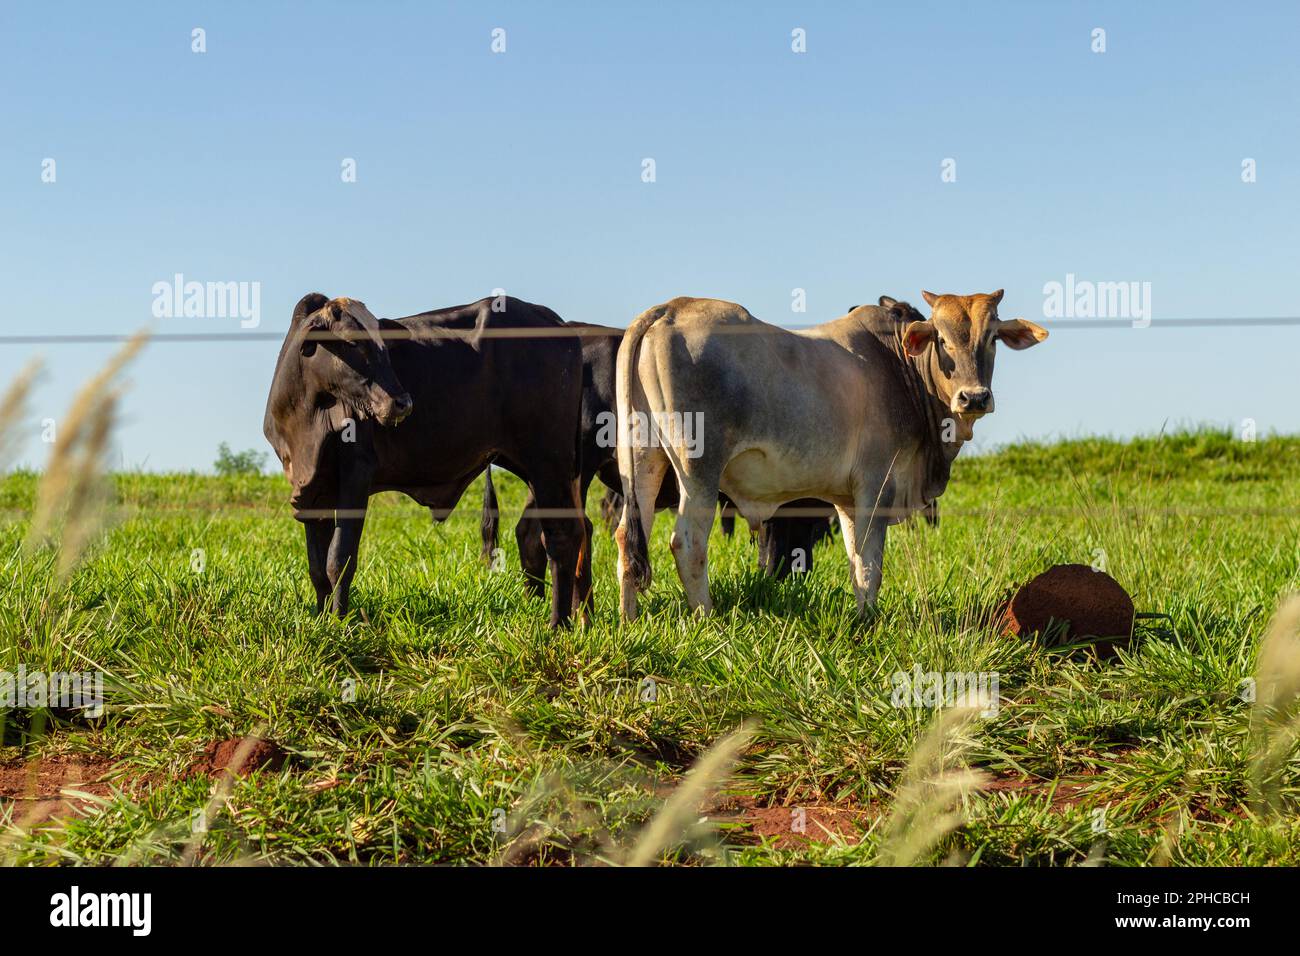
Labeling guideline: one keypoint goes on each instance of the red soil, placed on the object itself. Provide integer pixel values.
(219, 757)
(786, 827)
(35, 787)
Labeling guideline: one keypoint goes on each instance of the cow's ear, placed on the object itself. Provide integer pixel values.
(316, 327)
(899, 311)
(308, 304)
(996, 296)
(929, 297)
(917, 336)
(1020, 333)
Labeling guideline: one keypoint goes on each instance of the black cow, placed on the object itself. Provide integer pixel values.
(420, 405)
(786, 540)
(599, 460)
(599, 349)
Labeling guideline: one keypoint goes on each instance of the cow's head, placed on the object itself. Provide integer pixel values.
(963, 331)
(345, 361)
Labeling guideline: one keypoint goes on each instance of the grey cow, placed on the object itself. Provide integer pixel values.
(866, 412)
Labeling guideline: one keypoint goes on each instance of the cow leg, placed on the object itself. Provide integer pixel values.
(611, 509)
(775, 547)
(611, 503)
(349, 519)
(822, 529)
(690, 544)
(727, 516)
(799, 555)
(780, 543)
(319, 532)
(583, 594)
(849, 530)
(341, 563)
(864, 540)
(562, 536)
(584, 591)
(532, 553)
(649, 465)
(872, 551)
(767, 549)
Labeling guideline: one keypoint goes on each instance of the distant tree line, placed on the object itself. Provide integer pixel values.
(247, 462)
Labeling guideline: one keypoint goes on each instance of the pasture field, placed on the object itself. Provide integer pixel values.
(474, 735)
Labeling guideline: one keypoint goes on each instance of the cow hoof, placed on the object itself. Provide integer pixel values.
(868, 616)
(584, 609)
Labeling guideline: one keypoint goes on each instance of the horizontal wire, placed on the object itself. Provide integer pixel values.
(579, 332)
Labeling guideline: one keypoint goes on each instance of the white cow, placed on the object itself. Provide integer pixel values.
(866, 412)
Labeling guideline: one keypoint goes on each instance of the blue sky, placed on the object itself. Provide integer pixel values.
(774, 171)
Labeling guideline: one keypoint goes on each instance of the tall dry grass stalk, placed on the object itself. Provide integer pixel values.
(75, 489)
(675, 821)
(543, 811)
(1275, 713)
(931, 791)
(13, 409)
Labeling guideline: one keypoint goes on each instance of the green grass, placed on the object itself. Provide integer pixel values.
(469, 711)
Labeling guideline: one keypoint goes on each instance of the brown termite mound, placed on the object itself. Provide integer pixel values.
(1071, 604)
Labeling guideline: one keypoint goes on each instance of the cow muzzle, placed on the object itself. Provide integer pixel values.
(973, 402)
(393, 410)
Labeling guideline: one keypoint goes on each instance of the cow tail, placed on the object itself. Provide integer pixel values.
(636, 550)
(491, 516)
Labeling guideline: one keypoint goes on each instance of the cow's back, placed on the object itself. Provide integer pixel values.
(485, 384)
(759, 381)
(783, 412)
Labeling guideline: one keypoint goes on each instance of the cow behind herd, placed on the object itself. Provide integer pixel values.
(697, 403)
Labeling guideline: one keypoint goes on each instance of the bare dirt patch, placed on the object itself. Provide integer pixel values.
(36, 788)
(222, 757)
(752, 819)
(794, 826)
(1065, 792)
